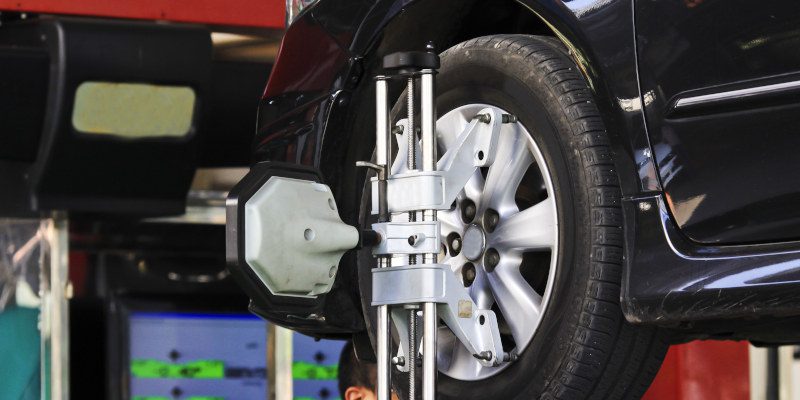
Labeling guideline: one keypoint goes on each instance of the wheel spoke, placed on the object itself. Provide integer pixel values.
(465, 363)
(455, 263)
(451, 222)
(449, 126)
(531, 229)
(480, 292)
(473, 189)
(506, 173)
(520, 304)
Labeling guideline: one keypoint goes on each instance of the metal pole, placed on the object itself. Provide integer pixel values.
(382, 141)
(428, 120)
(383, 151)
(55, 304)
(279, 363)
(429, 160)
(429, 369)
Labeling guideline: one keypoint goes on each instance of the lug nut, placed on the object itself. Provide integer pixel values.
(468, 210)
(490, 220)
(468, 274)
(491, 259)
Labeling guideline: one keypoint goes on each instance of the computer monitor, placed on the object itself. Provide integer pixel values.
(183, 355)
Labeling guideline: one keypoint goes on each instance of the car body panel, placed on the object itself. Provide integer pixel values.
(726, 157)
(330, 127)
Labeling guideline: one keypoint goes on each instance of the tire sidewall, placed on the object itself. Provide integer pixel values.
(481, 75)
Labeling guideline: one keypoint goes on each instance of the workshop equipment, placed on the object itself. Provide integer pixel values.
(285, 237)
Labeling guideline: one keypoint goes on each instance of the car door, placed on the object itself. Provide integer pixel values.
(720, 82)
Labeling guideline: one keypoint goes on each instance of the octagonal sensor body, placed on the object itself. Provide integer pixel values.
(294, 237)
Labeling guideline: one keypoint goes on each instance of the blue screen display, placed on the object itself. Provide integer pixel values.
(197, 356)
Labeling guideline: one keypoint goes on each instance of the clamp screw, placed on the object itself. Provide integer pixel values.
(485, 118)
(399, 360)
(398, 129)
(484, 355)
(491, 259)
(413, 240)
(509, 118)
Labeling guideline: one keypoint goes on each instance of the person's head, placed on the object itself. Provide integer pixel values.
(356, 378)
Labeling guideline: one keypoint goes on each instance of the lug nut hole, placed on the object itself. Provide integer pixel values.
(454, 243)
(468, 211)
(491, 259)
(490, 220)
(468, 274)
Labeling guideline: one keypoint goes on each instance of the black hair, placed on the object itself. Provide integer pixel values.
(355, 372)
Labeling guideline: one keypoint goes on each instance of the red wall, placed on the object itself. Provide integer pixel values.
(703, 370)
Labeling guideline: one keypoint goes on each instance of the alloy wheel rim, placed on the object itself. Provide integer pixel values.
(514, 232)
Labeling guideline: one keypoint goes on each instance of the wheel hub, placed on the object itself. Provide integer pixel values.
(474, 242)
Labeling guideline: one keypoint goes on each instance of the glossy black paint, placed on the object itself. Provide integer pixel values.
(318, 111)
(338, 44)
(728, 168)
(673, 282)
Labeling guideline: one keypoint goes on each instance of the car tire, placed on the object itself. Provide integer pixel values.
(583, 347)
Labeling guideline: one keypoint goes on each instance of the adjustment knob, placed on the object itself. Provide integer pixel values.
(410, 61)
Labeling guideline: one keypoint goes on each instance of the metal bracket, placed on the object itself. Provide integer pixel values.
(436, 283)
(407, 237)
(436, 190)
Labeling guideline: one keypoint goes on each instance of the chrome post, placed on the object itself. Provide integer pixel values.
(382, 157)
(429, 159)
(429, 331)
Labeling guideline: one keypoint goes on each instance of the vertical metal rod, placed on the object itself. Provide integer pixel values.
(429, 369)
(58, 264)
(279, 363)
(382, 141)
(429, 160)
(428, 120)
(384, 381)
(383, 151)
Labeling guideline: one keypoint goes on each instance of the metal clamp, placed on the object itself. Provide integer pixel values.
(407, 238)
(477, 329)
(436, 190)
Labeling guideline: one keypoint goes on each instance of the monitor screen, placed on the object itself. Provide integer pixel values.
(197, 356)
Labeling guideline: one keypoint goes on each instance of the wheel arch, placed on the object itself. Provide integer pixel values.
(591, 35)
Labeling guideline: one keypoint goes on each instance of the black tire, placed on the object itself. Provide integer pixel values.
(584, 348)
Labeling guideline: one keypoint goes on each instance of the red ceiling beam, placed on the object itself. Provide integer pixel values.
(247, 13)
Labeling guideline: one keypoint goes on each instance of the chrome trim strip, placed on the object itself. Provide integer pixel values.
(735, 94)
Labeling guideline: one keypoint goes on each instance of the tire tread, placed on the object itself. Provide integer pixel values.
(607, 357)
